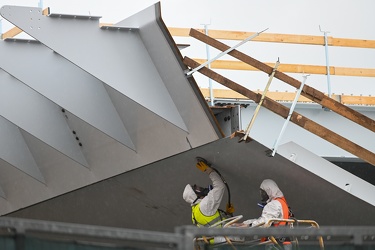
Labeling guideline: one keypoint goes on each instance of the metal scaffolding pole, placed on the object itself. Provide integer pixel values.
(260, 102)
(209, 66)
(327, 61)
(289, 115)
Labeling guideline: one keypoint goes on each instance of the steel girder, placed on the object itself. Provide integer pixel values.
(107, 101)
(38, 116)
(75, 90)
(80, 40)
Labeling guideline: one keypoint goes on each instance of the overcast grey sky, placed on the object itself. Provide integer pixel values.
(341, 18)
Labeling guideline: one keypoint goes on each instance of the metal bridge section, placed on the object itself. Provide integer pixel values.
(102, 126)
(73, 110)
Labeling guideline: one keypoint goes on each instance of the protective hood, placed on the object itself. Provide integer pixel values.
(189, 195)
(271, 189)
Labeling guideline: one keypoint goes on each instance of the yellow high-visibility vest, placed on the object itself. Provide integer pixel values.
(200, 219)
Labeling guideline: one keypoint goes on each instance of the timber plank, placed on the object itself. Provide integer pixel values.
(354, 72)
(11, 33)
(289, 96)
(358, 100)
(279, 38)
(230, 94)
(358, 43)
(292, 68)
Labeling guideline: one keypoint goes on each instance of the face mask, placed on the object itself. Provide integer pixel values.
(263, 196)
(200, 191)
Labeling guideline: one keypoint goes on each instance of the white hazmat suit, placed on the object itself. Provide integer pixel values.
(210, 203)
(273, 208)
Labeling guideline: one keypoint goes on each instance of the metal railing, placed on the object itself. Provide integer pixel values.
(21, 233)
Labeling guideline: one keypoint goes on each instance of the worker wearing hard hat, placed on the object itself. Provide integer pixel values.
(205, 202)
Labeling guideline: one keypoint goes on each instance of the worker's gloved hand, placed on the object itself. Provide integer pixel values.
(249, 222)
(203, 167)
(229, 208)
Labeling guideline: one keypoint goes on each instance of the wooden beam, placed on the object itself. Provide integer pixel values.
(357, 43)
(278, 38)
(292, 68)
(184, 32)
(46, 11)
(105, 24)
(307, 91)
(289, 96)
(11, 33)
(277, 96)
(283, 111)
(342, 71)
(357, 100)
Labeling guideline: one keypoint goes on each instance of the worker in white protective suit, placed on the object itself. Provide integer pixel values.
(205, 202)
(275, 207)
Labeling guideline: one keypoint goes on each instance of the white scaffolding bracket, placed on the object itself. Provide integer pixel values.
(260, 102)
(224, 52)
(275, 146)
(327, 61)
(209, 66)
